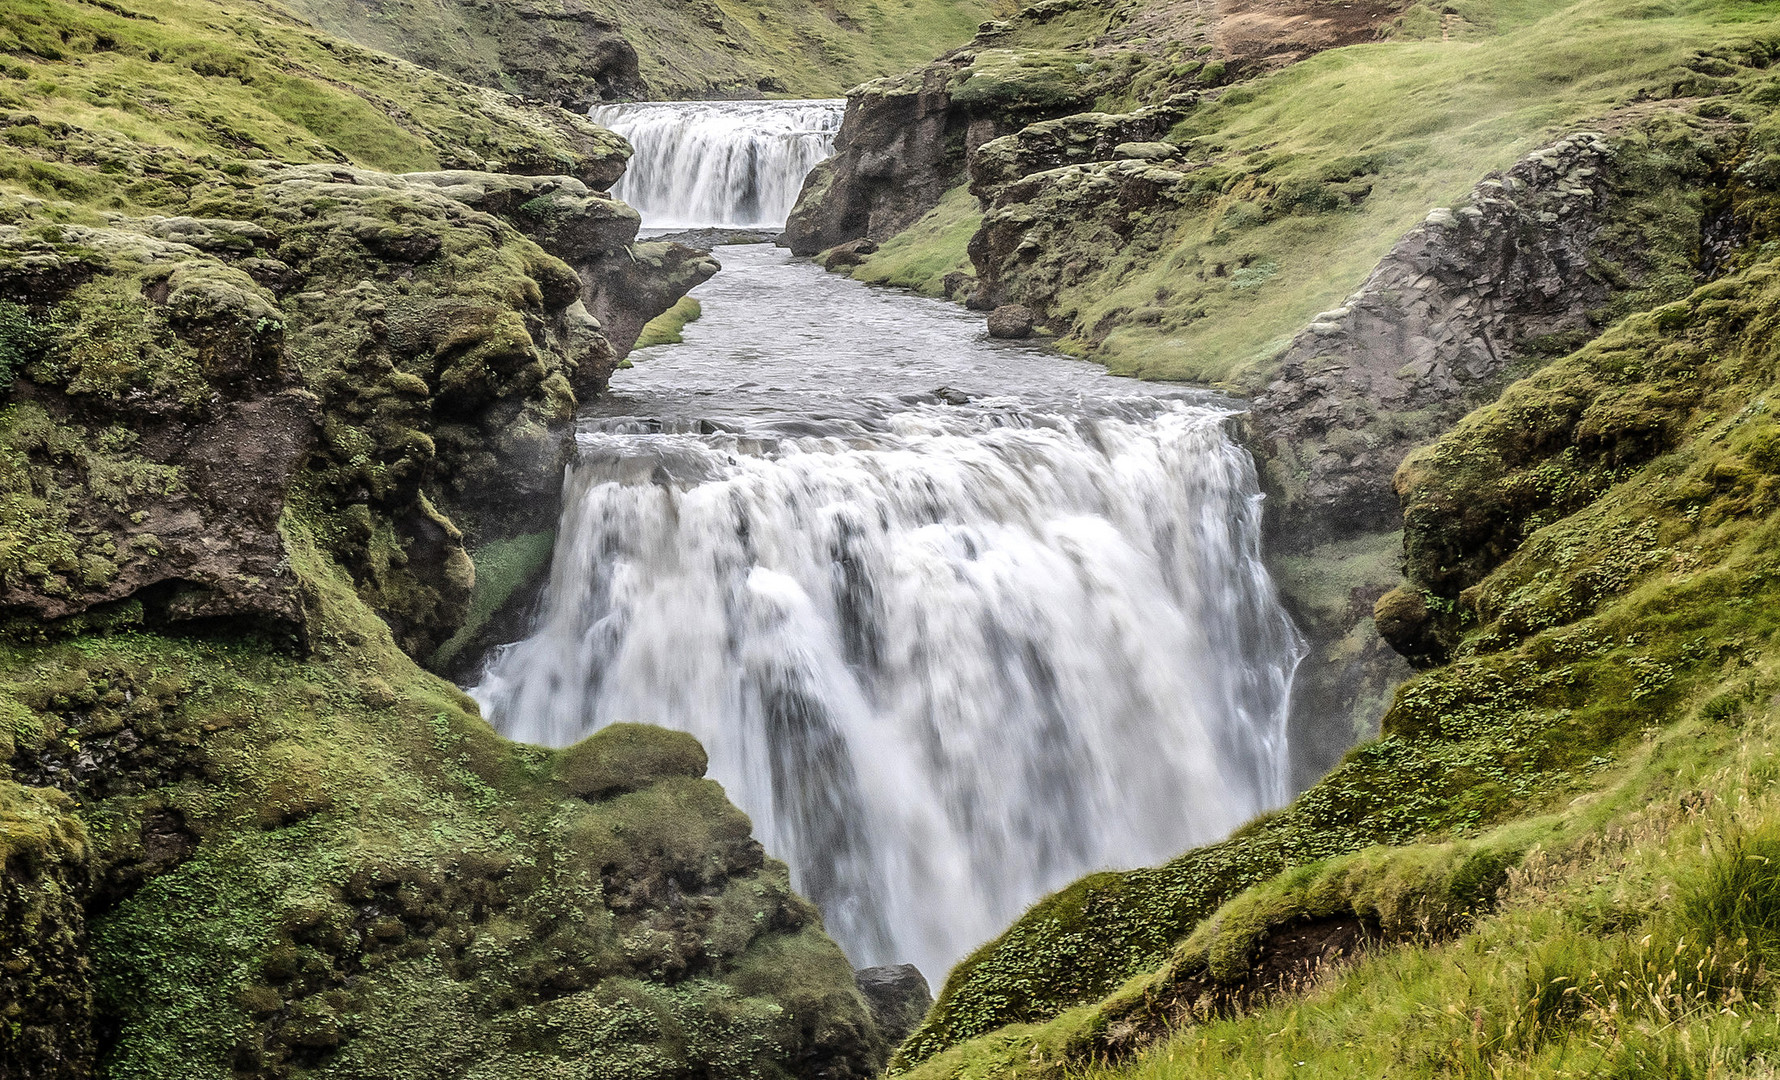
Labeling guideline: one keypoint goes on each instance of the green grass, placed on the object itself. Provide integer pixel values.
(667, 328)
(920, 257)
(1219, 286)
(1602, 962)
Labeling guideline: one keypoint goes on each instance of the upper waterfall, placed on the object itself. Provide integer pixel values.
(720, 164)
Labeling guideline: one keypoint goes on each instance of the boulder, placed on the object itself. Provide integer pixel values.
(851, 253)
(958, 282)
(897, 996)
(1012, 321)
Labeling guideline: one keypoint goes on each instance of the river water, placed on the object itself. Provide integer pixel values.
(950, 651)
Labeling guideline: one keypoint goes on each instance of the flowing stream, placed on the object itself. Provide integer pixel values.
(949, 650)
(720, 164)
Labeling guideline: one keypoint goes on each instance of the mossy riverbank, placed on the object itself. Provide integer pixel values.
(288, 329)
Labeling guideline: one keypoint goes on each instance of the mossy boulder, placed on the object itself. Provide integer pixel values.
(622, 758)
(45, 968)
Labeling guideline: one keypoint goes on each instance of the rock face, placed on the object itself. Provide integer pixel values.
(1433, 328)
(187, 381)
(907, 139)
(897, 996)
(898, 150)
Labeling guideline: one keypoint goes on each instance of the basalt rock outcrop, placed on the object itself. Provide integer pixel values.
(898, 997)
(1457, 301)
(907, 139)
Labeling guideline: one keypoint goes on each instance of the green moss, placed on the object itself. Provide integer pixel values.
(1030, 80)
(621, 758)
(371, 865)
(502, 569)
(665, 329)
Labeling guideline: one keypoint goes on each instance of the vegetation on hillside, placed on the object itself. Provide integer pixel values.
(1576, 803)
(661, 49)
(1294, 183)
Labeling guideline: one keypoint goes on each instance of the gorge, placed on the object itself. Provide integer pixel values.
(1235, 538)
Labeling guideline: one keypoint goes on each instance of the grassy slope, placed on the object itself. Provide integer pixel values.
(165, 94)
(1605, 728)
(921, 256)
(1223, 284)
(798, 47)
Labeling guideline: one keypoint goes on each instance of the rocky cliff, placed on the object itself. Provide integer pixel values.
(907, 139)
(291, 338)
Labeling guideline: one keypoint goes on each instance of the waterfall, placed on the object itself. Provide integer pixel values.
(720, 164)
(948, 658)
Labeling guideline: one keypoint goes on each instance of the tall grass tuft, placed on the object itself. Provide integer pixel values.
(1735, 902)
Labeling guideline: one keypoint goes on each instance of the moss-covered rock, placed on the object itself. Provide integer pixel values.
(46, 1028)
(621, 758)
(299, 865)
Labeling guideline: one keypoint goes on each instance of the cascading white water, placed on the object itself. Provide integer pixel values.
(948, 658)
(720, 164)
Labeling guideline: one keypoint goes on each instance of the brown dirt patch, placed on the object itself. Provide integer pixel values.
(1289, 961)
(1284, 31)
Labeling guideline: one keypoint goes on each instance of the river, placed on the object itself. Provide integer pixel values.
(957, 620)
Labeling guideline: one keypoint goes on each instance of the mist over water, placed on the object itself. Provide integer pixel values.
(949, 657)
(723, 164)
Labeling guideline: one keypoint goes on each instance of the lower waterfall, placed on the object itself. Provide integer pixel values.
(949, 657)
(720, 164)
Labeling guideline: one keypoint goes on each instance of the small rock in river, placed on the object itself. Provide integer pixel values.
(1011, 321)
